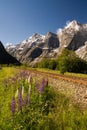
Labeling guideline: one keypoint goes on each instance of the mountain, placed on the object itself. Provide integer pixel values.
(6, 58)
(73, 37)
(82, 52)
(34, 48)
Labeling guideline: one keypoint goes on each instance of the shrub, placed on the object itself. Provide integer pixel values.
(69, 61)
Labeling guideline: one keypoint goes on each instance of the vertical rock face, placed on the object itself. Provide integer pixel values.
(6, 58)
(78, 40)
(82, 52)
(51, 40)
(73, 35)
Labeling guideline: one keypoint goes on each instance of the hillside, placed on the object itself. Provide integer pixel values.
(6, 58)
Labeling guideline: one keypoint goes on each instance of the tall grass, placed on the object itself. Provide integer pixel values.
(29, 103)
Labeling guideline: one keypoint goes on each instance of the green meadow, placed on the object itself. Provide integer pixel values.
(29, 103)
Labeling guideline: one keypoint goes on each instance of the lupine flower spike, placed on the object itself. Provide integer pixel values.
(13, 106)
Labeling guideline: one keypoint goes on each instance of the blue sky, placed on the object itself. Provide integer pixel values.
(19, 19)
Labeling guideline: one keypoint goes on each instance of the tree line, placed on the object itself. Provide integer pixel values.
(67, 61)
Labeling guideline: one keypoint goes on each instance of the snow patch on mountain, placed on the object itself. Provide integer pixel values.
(73, 25)
(10, 46)
(36, 38)
(70, 28)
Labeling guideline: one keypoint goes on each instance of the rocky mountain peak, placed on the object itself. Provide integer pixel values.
(73, 35)
(36, 37)
(73, 24)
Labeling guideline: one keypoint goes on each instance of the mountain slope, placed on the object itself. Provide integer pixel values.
(6, 58)
(35, 47)
(73, 36)
(82, 52)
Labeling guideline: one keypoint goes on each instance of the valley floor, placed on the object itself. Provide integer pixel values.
(26, 105)
(71, 86)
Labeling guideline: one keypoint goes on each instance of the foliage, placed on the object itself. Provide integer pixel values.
(67, 61)
(47, 63)
(28, 103)
(70, 62)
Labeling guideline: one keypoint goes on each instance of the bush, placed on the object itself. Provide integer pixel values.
(47, 63)
(69, 61)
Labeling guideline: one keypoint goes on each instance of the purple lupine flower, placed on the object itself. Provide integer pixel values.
(30, 79)
(37, 85)
(41, 88)
(20, 100)
(24, 74)
(13, 106)
(43, 82)
(42, 85)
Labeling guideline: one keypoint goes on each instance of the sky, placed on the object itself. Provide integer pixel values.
(19, 19)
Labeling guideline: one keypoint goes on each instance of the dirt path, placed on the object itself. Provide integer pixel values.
(73, 87)
(73, 79)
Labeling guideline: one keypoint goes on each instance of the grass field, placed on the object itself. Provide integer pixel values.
(26, 103)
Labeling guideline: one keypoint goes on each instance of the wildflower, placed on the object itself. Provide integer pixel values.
(45, 82)
(37, 85)
(13, 106)
(41, 88)
(19, 100)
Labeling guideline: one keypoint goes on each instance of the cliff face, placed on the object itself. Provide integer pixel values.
(82, 52)
(73, 35)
